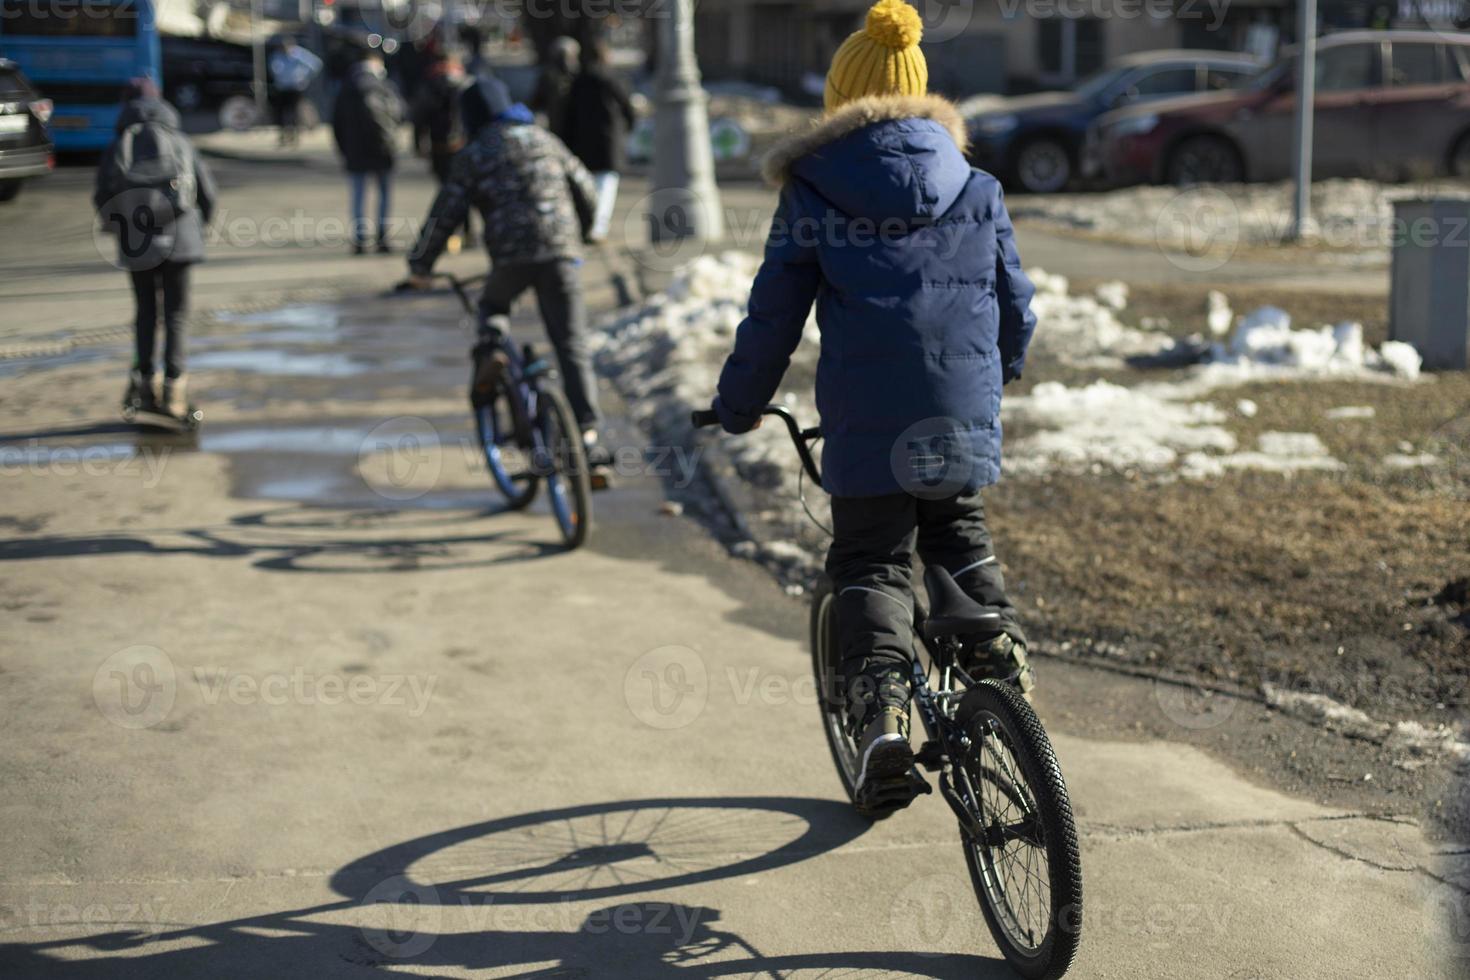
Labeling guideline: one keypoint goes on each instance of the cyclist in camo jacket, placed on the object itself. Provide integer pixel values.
(537, 203)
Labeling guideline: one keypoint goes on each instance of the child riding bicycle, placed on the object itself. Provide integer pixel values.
(537, 203)
(925, 314)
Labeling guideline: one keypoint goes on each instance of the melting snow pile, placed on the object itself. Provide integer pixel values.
(1084, 331)
(1160, 426)
(666, 354)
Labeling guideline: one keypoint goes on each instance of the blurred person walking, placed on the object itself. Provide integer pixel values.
(156, 195)
(435, 113)
(292, 70)
(554, 85)
(598, 115)
(365, 123)
(473, 41)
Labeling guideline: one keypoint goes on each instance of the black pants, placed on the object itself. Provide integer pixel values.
(171, 279)
(558, 286)
(871, 567)
(287, 108)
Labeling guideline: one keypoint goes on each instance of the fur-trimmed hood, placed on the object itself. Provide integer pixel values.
(776, 167)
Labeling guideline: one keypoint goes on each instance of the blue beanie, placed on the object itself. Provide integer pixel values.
(482, 102)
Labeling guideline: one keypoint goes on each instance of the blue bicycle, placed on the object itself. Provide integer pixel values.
(527, 431)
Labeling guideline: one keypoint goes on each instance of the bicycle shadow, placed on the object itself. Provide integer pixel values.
(300, 538)
(499, 896)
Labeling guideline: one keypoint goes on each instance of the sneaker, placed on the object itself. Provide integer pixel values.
(384, 248)
(1001, 658)
(884, 752)
(176, 396)
(599, 461)
(358, 248)
(882, 744)
(140, 395)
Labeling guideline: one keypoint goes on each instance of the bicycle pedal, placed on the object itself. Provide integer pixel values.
(882, 797)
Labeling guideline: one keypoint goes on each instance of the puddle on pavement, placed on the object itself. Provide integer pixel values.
(315, 351)
(307, 316)
(284, 363)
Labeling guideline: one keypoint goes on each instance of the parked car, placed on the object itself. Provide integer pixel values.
(25, 144)
(1034, 142)
(1388, 105)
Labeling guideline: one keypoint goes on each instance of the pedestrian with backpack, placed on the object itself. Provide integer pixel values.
(365, 123)
(156, 196)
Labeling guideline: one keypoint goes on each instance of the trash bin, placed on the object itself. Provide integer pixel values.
(1429, 289)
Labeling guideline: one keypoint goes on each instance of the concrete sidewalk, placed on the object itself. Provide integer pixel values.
(297, 703)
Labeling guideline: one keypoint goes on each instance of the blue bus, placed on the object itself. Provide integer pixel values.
(81, 54)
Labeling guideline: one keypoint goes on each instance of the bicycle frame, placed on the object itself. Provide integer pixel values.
(942, 741)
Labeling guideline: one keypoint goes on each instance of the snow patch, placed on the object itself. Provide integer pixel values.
(1350, 412)
(1404, 461)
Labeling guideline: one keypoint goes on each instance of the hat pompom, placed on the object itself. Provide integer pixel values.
(894, 24)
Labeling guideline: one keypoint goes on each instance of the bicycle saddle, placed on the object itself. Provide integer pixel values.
(951, 612)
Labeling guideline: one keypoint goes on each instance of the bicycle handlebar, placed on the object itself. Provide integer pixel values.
(460, 286)
(800, 438)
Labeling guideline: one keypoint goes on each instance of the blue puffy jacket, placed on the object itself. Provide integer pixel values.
(923, 307)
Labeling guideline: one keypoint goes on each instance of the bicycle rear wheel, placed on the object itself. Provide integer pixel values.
(562, 461)
(507, 460)
(1024, 863)
(831, 698)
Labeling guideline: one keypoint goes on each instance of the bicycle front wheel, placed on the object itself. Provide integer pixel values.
(505, 457)
(562, 461)
(1023, 856)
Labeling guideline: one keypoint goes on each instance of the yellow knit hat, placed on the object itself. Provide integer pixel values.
(881, 59)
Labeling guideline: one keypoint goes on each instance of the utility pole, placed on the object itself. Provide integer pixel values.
(257, 42)
(1306, 93)
(685, 204)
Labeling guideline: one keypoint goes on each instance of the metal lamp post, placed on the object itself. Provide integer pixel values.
(684, 205)
(1306, 94)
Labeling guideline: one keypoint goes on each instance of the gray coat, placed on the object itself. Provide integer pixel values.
(145, 239)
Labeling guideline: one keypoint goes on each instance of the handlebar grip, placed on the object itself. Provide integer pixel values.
(704, 417)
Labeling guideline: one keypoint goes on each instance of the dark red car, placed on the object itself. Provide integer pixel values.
(1389, 105)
